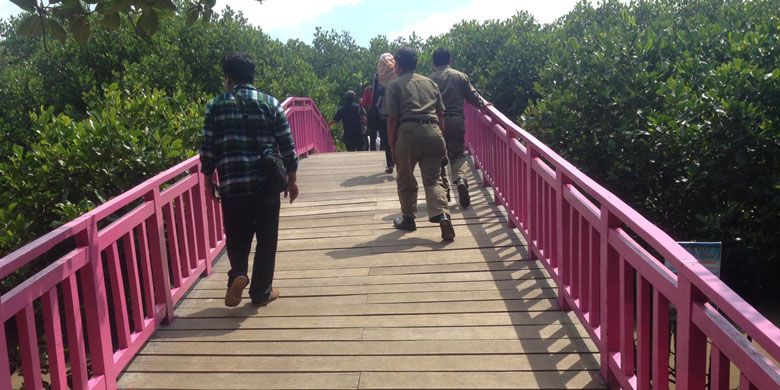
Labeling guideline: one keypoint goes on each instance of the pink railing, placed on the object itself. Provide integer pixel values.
(314, 134)
(608, 263)
(120, 269)
(127, 264)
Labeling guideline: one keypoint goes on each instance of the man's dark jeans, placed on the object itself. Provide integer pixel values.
(372, 134)
(355, 143)
(244, 217)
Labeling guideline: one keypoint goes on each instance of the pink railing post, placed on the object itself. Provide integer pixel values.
(691, 343)
(201, 223)
(610, 315)
(530, 197)
(134, 278)
(644, 328)
(562, 232)
(55, 346)
(96, 307)
(5, 369)
(660, 342)
(76, 345)
(627, 326)
(28, 346)
(162, 279)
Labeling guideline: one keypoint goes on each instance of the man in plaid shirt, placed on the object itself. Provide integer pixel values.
(236, 135)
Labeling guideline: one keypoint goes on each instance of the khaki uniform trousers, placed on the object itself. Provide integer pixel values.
(420, 144)
(455, 133)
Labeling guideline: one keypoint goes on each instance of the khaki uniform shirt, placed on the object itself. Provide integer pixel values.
(412, 96)
(455, 88)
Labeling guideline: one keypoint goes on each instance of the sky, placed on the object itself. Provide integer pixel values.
(365, 19)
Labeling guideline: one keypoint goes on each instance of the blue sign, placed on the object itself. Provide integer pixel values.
(708, 254)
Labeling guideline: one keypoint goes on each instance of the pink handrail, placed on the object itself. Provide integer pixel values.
(314, 134)
(602, 255)
(128, 262)
(138, 237)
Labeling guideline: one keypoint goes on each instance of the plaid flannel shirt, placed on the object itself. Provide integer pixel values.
(234, 146)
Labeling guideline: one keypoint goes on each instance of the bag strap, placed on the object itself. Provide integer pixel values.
(241, 106)
(241, 103)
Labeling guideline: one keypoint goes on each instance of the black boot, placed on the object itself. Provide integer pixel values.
(405, 223)
(463, 192)
(447, 231)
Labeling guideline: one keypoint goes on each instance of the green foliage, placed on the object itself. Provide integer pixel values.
(141, 131)
(675, 107)
(51, 18)
(502, 58)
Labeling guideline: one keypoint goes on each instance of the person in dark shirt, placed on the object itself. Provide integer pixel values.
(354, 118)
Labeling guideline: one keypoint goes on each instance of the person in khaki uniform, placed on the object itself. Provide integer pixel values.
(455, 88)
(415, 111)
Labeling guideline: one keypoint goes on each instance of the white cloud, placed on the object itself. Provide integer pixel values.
(8, 9)
(544, 11)
(271, 15)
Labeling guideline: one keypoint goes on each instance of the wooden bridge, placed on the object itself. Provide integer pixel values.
(552, 282)
(366, 306)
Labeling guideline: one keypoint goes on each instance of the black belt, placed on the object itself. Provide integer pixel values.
(421, 121)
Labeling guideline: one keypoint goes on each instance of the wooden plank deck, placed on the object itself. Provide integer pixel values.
(366, 306)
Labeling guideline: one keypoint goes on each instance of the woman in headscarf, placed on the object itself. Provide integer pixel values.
(385, 69)
(385, 73)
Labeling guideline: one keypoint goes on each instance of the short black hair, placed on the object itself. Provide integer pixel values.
(407, 58)
(239, 67)
(441, 56)
(349, 96)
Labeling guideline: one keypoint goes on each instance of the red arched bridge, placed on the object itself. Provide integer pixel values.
(552, 282)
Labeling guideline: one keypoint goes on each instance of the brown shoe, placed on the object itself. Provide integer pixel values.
(274, 295)
(235, 291)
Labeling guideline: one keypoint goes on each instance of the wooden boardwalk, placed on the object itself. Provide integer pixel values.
(367, 306)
